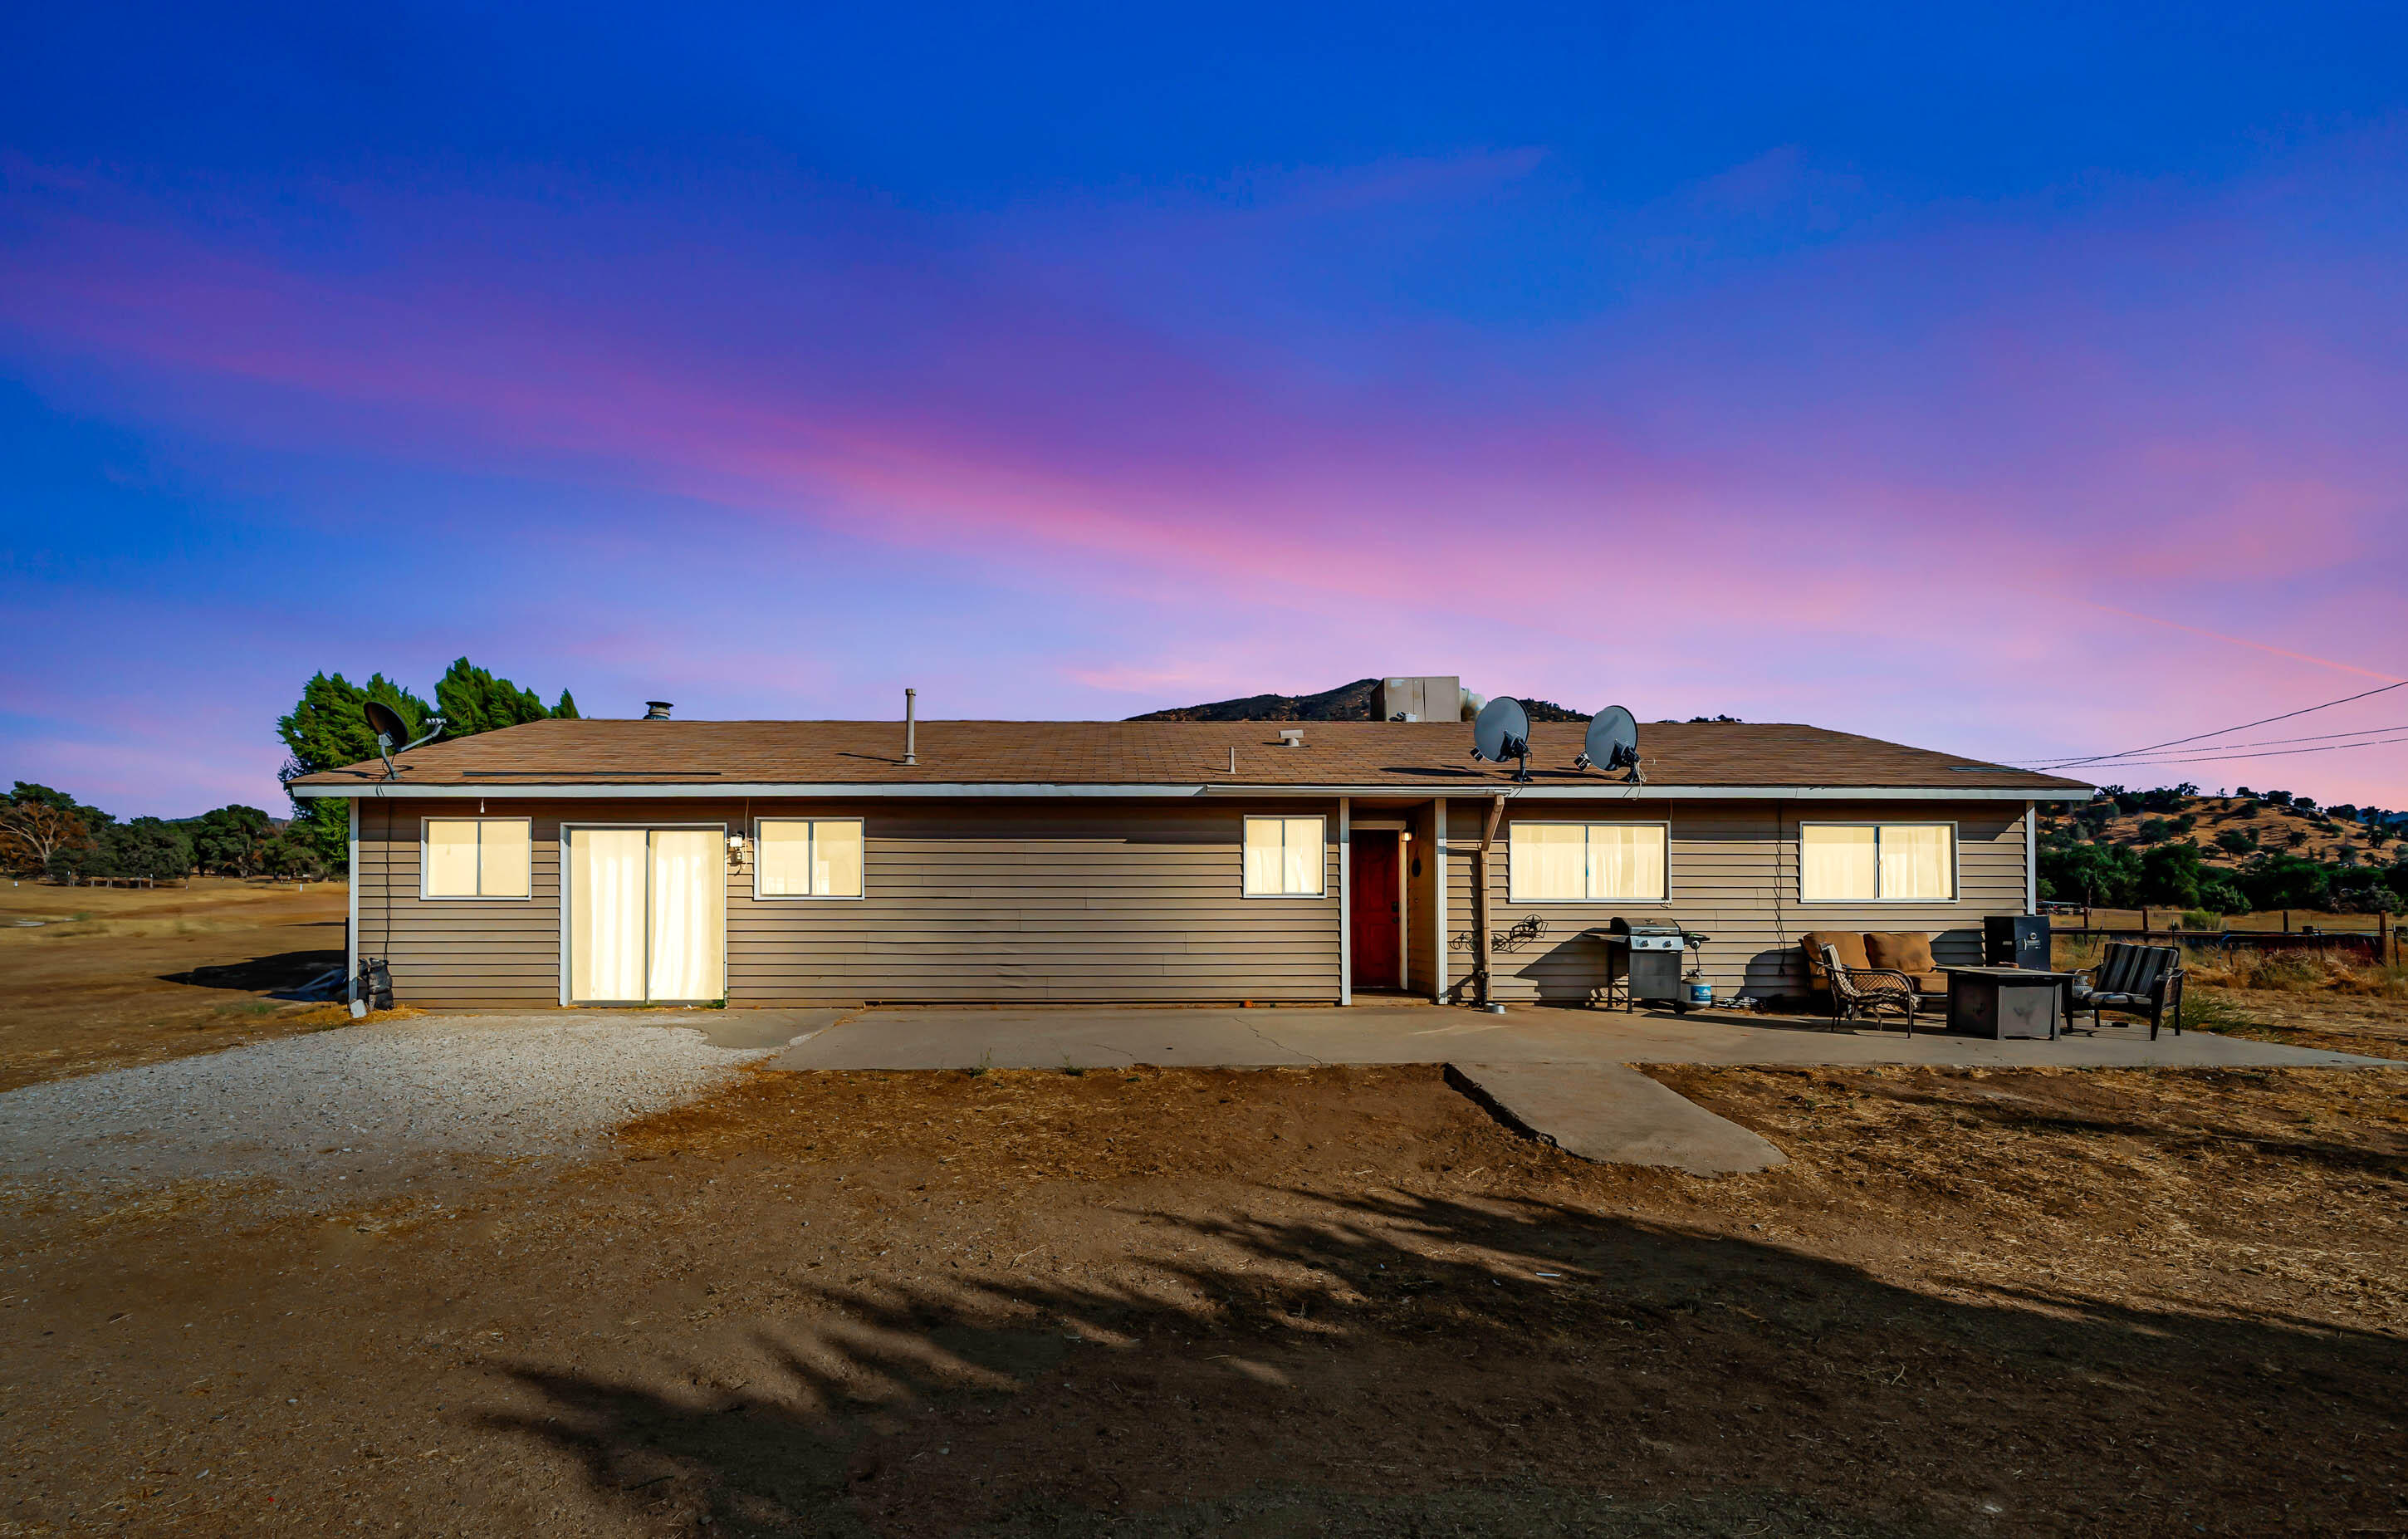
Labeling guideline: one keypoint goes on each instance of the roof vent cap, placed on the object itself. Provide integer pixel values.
(656, 711)
(1291, 737)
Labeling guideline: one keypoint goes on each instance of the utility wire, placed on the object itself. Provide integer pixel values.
(2277, 753)
(2223, 731)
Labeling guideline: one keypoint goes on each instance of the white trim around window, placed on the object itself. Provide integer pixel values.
(1285, 857)
(1854, 863)
(492, 864)
(829, 859)
(1545, 858)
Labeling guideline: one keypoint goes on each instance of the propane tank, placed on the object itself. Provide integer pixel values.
(1698, 990)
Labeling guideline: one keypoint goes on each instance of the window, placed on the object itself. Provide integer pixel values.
(1585, 862)
(807, 857)
(1876, 862)
(477, 857)
(1284, 857)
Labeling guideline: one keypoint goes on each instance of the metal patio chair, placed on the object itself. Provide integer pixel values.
(1861, 993)
(2138, 980)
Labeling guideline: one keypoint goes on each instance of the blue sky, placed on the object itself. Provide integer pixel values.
(2019, 381)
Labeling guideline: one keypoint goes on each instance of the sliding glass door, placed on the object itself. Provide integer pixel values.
(647, 916)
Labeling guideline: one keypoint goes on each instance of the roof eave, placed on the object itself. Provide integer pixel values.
(379, 789)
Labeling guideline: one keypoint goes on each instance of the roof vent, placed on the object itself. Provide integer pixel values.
(656, 711)
(1291, 737)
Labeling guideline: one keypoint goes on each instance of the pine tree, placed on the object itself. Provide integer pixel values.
(566, 709)
(472, 701)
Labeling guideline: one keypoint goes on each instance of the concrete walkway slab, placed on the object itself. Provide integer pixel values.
(1614, 1115)
(1100, 1036)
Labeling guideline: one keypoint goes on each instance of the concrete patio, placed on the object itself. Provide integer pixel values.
(1095, 1037)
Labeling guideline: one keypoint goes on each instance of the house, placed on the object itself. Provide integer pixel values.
(769, 863)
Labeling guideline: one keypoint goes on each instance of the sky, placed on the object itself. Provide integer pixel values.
(2025, 382)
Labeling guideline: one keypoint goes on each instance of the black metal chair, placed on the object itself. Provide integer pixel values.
(2138, 980)
(1860, 993)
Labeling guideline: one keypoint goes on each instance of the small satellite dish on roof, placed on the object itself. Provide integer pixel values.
(1501, 731)
(1613, 743)
(390, 733)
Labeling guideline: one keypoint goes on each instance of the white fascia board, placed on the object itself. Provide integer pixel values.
(838, 791)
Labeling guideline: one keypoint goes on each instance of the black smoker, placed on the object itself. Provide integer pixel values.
(1647, 961)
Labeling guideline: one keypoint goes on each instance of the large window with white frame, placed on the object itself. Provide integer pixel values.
(1285, 857)
(1587, 862)
(476, 857)
(807, 857)
(1876, 862)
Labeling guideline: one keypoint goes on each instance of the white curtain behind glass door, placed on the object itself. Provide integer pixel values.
(605, 914)
(686, 920)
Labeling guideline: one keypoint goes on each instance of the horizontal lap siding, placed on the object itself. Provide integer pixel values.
(1090, 901)
(1734, 877)
(1095, 900)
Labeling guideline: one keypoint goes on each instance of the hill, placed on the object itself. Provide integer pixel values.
(2230, 832)
(1350, 702)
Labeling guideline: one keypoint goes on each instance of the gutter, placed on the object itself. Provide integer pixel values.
(1601, 790)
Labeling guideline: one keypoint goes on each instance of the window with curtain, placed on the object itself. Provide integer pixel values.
(1285, 857)
(477, 857)
(807, 857)
(1587, 862)
(1876, 862)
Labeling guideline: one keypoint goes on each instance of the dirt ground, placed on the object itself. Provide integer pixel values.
(1278, 1302)
(114, 977)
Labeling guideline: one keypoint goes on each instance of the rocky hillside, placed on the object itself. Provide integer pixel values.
(1353, 702)
(2229, 831)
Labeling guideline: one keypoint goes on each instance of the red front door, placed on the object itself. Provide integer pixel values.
(1375, 909)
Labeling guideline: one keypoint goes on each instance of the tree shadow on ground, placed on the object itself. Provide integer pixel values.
(260, 974)
(1405, 1364)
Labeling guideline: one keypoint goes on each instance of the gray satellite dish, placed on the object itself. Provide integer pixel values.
(390, 733)
(1613, 743)
(1501, 731)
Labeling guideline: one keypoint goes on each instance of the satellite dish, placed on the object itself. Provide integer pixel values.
(390, 733)
(1501, 731)
(1613, 743)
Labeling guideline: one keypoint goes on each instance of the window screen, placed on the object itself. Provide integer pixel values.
(478, 857)
(1585, 862)
(1284, 857)
(1876, 863)
(807, 857)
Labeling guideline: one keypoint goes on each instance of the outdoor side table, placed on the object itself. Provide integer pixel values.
(2004, 1001)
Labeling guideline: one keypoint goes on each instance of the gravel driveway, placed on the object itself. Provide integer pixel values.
(368, 1105)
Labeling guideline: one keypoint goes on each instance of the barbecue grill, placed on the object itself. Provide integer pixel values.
(1645, 961)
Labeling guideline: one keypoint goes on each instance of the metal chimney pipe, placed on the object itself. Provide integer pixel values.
(911, 727)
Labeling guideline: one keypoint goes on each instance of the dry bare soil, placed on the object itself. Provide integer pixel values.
(1283, 1302)
(114, 977)
(1296, 1301)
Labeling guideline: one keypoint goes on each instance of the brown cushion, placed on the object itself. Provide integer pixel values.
(1849, 943)
(1907, 950)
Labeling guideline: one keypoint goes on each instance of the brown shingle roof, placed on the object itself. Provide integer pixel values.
(1425, 756)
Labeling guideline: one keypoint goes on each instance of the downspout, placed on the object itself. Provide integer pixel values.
(2031, 857)
(1438, 899)
(911, 727)
(1480, 900)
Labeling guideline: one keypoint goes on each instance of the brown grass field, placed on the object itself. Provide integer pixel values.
(1329, 1302)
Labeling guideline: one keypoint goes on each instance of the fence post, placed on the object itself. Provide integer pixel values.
(2287, 921)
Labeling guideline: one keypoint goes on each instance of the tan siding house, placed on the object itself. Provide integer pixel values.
(764, 863)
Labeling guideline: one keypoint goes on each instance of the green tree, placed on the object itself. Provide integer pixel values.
(2286, 882)
(2236, 841)
(2171, 875)
(145, 846)
(39, 828)
(566, 709)
(2219, 894)
(2106, 875)
(229, 839)
(472, 701)
(327, 730)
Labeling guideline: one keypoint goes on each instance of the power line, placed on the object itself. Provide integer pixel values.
(2277, 753)
(2224, 731)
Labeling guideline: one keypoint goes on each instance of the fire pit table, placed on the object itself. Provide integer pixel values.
(2005, 1001)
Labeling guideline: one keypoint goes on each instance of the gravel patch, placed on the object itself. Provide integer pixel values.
(360, 1106)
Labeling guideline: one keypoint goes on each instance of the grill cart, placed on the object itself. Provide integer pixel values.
(1646, 961)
